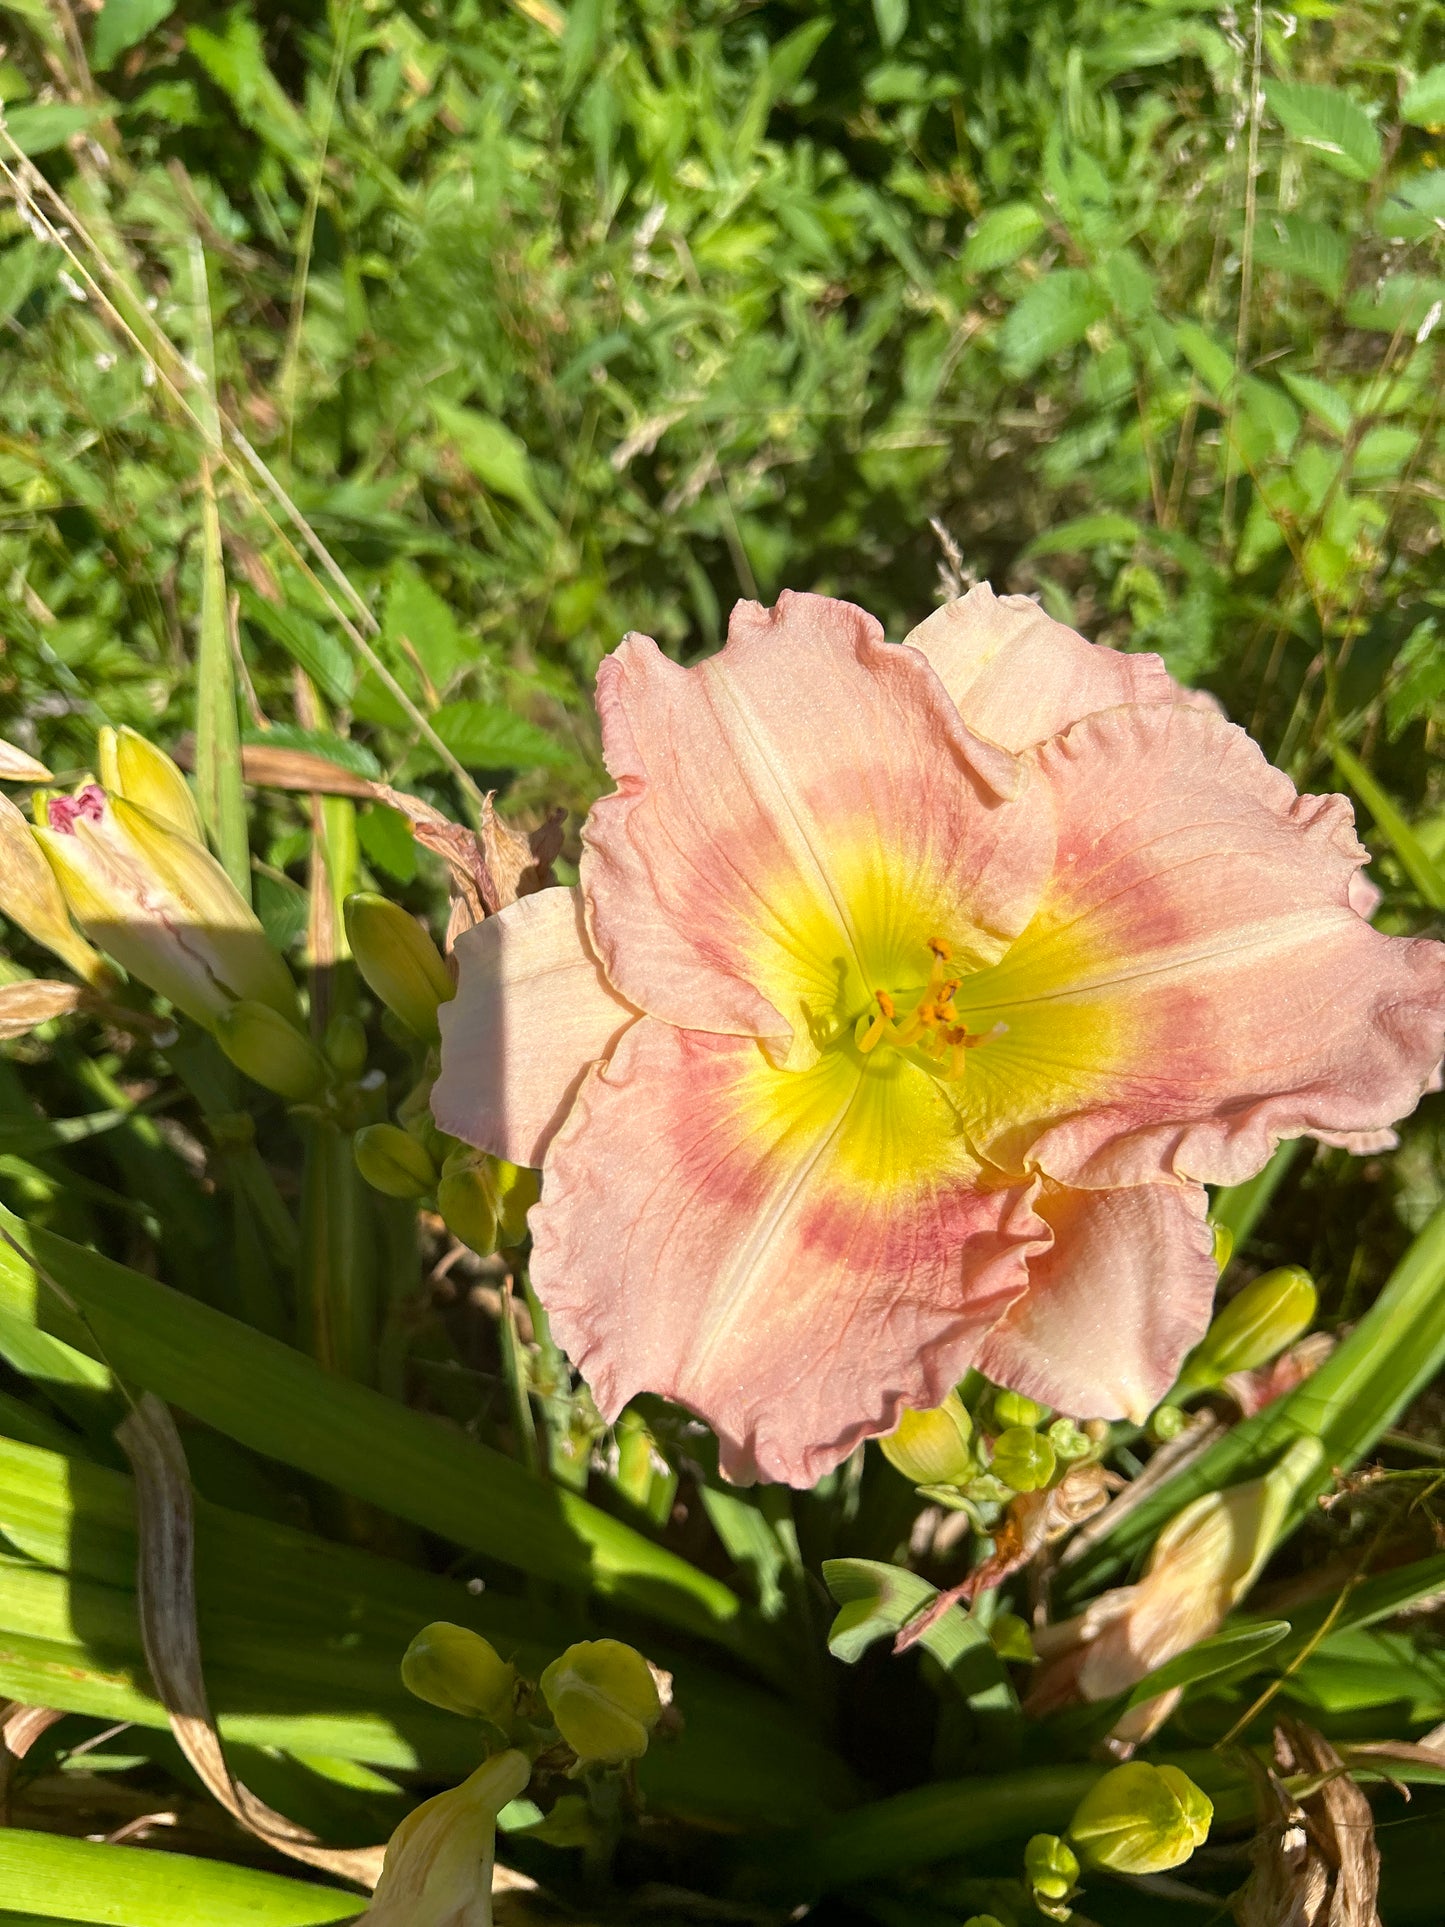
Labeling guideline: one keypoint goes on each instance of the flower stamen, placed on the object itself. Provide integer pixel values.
(932, 1028)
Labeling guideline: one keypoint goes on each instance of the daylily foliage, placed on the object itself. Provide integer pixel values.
(908, 1000)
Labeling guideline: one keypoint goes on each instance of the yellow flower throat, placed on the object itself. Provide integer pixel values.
(932, 1028)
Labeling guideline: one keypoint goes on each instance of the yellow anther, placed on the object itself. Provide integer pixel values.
(885, 1003)
(941, 948)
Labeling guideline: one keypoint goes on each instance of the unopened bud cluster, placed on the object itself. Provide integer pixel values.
(1014, 1448)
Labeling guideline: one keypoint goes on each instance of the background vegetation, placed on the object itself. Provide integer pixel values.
(553, 325)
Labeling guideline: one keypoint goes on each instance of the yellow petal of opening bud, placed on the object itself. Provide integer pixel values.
(604, 1700)
(392, 1161)
(455, 1668)
(401, 964)
(485, 1200)
(1051, 1867)
(32, 897)
(438, 1869)
(1141, 1819)
(933, 1447)
(135, 769)
(1270, 1313)
(262, 1044)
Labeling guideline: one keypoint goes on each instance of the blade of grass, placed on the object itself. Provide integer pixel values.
(1423, 871)
(1357, 1394)
(283, 1405)
(218, 730)
(88, 1880)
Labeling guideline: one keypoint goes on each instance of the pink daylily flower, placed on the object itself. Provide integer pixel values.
(910, 996)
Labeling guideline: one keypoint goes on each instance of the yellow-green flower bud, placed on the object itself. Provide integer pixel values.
(392, 1161)
(31, 896)
(399, 961)
(1051, 1869)
(438, 1868)
(135, 769)
(484, 1200)
(1141, 1819)
(1223, 1245)
(1270, 1313)
(1011, 1639)
(162, 906)
(1012, 1408)
(933, 1447)
(345, 1045)
(1070, 1441)
(456, 1669)
(271, 1051)
(1166, 1422)
(604, 1700)
(1023, 1459)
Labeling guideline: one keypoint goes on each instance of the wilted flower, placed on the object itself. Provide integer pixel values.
(604, 1699)
(1203, 1563)
(1318, 1864)
(1141, 1819)
(31, 896)
(438, 1868)
(162, 906)
(909, 999)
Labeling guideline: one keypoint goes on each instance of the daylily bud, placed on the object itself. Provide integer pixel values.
(271, 1051)
(1012, 1408)
(1070, 1441)
(135, 769)
(1270, 1313)
(456, 1669)
(1141, 1819)
(932, 1448)
(31, 896)
(345, 1045)
(1223, 1245)
(1166, 1422)
(392, 1161)
(161, 906)
(1051, 1869)
(484, 1200)
(401, 964)
(438, 1869)
(604, 1700)
(1023, 1459)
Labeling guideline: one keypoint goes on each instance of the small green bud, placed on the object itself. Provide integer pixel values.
(1223, 1245)
(1023, 1459)
(456, 1669)
(1167, 1422)
(1070, 1442)
(604, 1700)
(401, 964)
(271, 1051)
(1011, 1639)
(1051, 1869)
(1012, 1408)
(345, 1045)
(392, 1161)
(1270, 1313)
(932, 1448)
(1141, 1819)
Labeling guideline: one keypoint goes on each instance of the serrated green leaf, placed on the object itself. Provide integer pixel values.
(1055, 314)
(891, 19)
(1002, 236)
(1424, 102)
(1328, 405)
(1329, 122)
(497, 457)
(487, 736)
(1399, 302)
(1084, 532)
(416, 619)
(41, 128)
(122, 24)
(1414, 208)
(1210, 360)
(1310, 250)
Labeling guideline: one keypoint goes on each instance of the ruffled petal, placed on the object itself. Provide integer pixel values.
(793, 1255)
(532, 1013)
(1196, 985)
(794, 819)
(1114, 1305)
(1018, 677)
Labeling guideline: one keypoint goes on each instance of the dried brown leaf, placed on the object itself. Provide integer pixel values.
(35, 1001)
(1317, 1864)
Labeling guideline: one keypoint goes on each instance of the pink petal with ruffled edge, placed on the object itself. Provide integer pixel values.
(794, 1255)
(532, 1013)
(1195, 985)
(1112, 1308)
(1018, 677)
(794, 818)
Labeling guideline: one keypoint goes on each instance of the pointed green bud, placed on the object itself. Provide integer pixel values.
(271, 1052)
(1051, 1869)
(1258, 1323)
(933, 1447)
(604, 1700)
(1023, 1459)
(1141, 1819)
(135, 769)
(456, 1669)
(401, 964)
(345, 1045)
(1166, 1422)
(1012, 1408)
(392, 1161)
